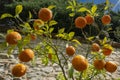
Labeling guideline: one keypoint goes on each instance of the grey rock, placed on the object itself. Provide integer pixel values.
(3, 56)
(47, 69)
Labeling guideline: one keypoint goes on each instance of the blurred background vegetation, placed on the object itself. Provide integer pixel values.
(60, 15)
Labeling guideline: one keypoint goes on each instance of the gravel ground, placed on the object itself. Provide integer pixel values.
(41, 72)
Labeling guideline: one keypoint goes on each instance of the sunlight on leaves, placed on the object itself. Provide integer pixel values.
(61, 30)
(18, 9)
(30, 15)
(84, 9)
(51, 6)
(93, 9)
(76, 41)
(107, 4)
(104, 41)
(90, 38)
(60, 77)
(9, 31)
(5, 15)
(72, 14)
(52, 22)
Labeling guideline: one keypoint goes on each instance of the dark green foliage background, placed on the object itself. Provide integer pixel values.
(60, 13)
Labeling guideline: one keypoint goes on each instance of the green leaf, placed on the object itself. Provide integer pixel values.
(83, 9)
(5, 15)
(71, 71)
(45, 61)
(18, 9)
(60, 77)
(25, 41)
(93, 9)
(70, 3)
(71, 34)
(51, 30)
(76, 41)
(10, 49)
(72, 14)
(30, 15)
(66, 36)
(51, 6)
(3, 46)
(2, 35)
(104, 41)
(74, 2)
(106, 7)
(109, 29)
(39, 32)
(61, 30)
(9, 31)
(26, 26)
(60, 35)
(33, 61)
(54, 58)
(107, 4)
(90, 38)
(69, 7)
(52, 22)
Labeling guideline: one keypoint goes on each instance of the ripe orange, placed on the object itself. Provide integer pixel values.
(79, 63)
(95, 47)
(26, 55)
(99, 64)
(80, 22)
(13, 37)
(107, 49)
(89, 19)
(37, 24)
(19, 70)
(33, 37)
(70, 50)
(110, 66)
(106, 19)
(45, 14)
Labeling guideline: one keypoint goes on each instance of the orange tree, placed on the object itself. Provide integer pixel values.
(75, 65)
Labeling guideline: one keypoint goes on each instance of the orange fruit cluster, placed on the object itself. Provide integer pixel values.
(108, 66)
(45, 14)
(19, 70)
(26, 55)
(12, 38)
(101, 64)
(79, 63)
(106, 49)
(81, 22)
